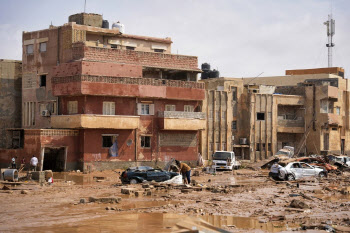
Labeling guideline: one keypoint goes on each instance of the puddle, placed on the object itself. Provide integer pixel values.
(78, 179)
(147, 204)
(158, 222)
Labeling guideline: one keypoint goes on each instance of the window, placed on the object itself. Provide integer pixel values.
(29, 112)
(334, 129)
(263, 147)
(145, 141)
(269, 147)
(30, 49)
(108, 108)
(223, 146)
(217, 146)
(234, 93)
(145, 109)
(72, 107)
(257, 148)
(114, 46)
(260, 116)
(169, 107)
(234, 125)
(217, 115)
(189, 108)
(326, 141)
(326, 106)
(43, 80)
(130, 48)
(159, 50)
(54, 108)
(338, 110)
(108, 140)
(42, 47)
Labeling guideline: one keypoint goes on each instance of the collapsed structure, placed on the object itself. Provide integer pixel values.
(255, 117)
(92, 96)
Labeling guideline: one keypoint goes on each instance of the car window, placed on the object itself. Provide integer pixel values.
(306, 166)
(296, 165)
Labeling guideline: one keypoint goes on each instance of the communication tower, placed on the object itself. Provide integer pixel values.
(330, 23)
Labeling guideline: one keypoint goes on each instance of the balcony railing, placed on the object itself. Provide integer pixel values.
(127, 80)
(291, 123)
(181, 115)
(147, 59)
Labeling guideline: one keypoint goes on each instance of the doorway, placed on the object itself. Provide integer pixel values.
(54, 159)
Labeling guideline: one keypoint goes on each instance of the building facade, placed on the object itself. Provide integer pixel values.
(96, 98)
(256, 117)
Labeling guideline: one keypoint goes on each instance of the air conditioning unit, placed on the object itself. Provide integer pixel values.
(45, 113)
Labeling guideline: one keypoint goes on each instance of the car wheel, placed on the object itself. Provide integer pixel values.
(321, 175)
(290, 177)
(133, 181)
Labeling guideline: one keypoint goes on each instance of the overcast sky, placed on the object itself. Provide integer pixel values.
(242, 38)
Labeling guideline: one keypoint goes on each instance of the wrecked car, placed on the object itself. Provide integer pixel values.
(136, 175)
(225, 160)
(298, 170)
(318, 162)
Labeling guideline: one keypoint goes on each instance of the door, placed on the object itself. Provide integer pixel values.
(308, 170)
(342, 146)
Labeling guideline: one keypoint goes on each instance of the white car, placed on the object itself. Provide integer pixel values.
(225, 160)
(298, 170)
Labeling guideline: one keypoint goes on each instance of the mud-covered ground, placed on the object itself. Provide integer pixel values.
(239, 201)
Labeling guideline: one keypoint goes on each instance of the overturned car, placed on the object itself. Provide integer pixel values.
(134, 175)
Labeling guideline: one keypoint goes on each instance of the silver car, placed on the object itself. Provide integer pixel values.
(298, 170)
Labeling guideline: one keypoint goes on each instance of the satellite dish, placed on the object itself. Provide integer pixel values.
(129, 142)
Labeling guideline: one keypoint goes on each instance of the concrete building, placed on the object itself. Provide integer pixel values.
(255, 117)
(96, 98)
(10, 101)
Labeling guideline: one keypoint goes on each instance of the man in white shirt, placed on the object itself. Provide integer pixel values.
(274, 172)
(33, 163)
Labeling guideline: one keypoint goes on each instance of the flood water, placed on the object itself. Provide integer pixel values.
(159, 222)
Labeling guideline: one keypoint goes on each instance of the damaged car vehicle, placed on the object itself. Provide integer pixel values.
(299, 170)
(134, 175)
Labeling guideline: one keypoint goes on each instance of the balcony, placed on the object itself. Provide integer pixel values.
(290, 126)
(128, 87)
(175, 120)
(145, 59)
(90, 121)
(329, 92)
(330, 119)
(290, 100)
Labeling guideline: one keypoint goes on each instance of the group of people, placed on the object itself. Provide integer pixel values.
(33, 163)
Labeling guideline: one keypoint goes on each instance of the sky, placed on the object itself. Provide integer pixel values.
(240, 38)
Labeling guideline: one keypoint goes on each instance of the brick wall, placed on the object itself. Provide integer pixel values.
(149, 59)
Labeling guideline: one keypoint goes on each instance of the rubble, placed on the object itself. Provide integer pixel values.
(299, 204)
(105, 199)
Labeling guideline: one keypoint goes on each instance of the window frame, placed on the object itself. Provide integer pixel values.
(40, 48)
(113, 138)
(188, 108)
(41, 80)
(28, 52)
(108, 108)
(172, 107)
(145, 141)
(257, 114)
(71, 106)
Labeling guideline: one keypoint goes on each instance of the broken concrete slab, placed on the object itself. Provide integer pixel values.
(299, 204)
(128, 190)
(105, 199)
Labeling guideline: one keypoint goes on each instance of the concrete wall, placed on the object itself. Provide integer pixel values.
(10, 97)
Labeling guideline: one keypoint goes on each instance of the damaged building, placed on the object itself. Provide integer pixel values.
(256, 117)
(94, 97)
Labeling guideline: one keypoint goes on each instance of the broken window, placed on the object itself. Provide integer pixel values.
(42, 47)
(72, 107)
(108, 108)
(145, 141)
(170, 107)
(30, 49)
(234, 125)
(260, 116)
(326, 106)
(43, 80)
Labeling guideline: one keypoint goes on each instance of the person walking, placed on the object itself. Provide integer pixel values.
(185, 170)
(33, 163)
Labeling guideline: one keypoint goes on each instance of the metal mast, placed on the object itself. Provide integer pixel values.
(330, 33)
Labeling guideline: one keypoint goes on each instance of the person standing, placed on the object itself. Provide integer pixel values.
(33, 163)
(23, 163)
(13, 162)
(185, 170)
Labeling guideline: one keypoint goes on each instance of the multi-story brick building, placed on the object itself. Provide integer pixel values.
(94, 97)
(255, 117)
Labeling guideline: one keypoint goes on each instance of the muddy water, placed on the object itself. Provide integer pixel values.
(157, 222)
